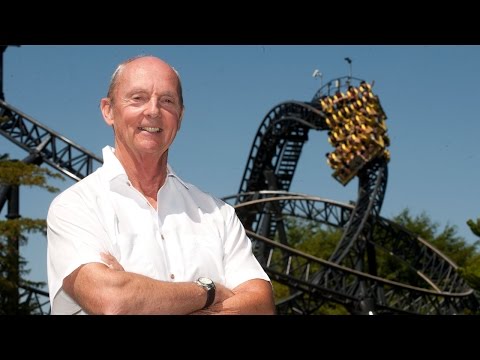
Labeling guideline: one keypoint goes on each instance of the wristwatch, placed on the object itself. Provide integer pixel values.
(209, 286)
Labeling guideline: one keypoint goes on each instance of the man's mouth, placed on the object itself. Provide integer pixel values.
(150, 129)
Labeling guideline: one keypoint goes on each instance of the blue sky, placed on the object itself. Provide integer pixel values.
(429, 93)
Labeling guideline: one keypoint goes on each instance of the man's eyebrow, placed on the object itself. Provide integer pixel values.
(169, 93)
(135, 91)
(141, 90)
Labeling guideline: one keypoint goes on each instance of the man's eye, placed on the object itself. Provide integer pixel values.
(167, 101)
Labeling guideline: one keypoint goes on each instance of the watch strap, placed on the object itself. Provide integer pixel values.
(210, 290)
(210, 296)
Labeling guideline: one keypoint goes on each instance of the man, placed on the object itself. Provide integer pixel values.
(133, 238)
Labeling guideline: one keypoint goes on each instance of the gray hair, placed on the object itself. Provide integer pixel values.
(119, 69)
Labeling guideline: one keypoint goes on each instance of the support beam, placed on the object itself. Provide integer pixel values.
(2, 50)
(13, 250)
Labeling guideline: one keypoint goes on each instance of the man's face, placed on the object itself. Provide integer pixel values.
(146, 111)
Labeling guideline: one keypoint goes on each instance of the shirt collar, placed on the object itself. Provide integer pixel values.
(113, 168)
(171, 173)
(111, 165)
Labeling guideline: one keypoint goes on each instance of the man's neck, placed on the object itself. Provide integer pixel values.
(146, 173)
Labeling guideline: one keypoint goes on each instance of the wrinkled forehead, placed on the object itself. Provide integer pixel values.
(147, 72)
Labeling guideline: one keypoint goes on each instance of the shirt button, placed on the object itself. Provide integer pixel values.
(172, 276)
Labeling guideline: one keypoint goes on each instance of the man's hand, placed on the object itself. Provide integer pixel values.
(254, 297)
(111, 262)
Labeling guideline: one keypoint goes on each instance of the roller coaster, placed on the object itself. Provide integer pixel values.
(352, 115)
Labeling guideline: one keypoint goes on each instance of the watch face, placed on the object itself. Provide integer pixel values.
(205, 281)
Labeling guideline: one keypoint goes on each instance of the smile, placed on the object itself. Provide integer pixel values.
(150, 129)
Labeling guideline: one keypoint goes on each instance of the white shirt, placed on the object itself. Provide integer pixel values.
(191, 234)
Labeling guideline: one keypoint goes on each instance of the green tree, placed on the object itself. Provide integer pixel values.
(474, 226)
(13, 233)
(472, 274)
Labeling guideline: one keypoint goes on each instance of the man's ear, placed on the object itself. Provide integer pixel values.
(106, 108)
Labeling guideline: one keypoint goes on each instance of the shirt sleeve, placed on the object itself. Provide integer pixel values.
(240, 263)
(76, 237)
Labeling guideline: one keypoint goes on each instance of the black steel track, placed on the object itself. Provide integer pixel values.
(271, 166)
(278, 144)
(56, 150)
(439, 290)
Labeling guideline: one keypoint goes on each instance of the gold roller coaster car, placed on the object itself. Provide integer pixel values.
(345, 174)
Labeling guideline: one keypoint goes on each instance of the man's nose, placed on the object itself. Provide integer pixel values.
(152, 108)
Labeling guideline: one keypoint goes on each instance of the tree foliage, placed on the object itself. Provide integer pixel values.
(20, 173)
(13, 234)
(474, 226)
(12, 265)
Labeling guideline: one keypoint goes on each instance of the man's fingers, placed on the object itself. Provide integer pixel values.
(111, 261)
(107, 257)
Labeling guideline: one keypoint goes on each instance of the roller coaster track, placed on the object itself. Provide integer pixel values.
(439, 290)
(349, 276)
(54, 149)
(271, 165)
